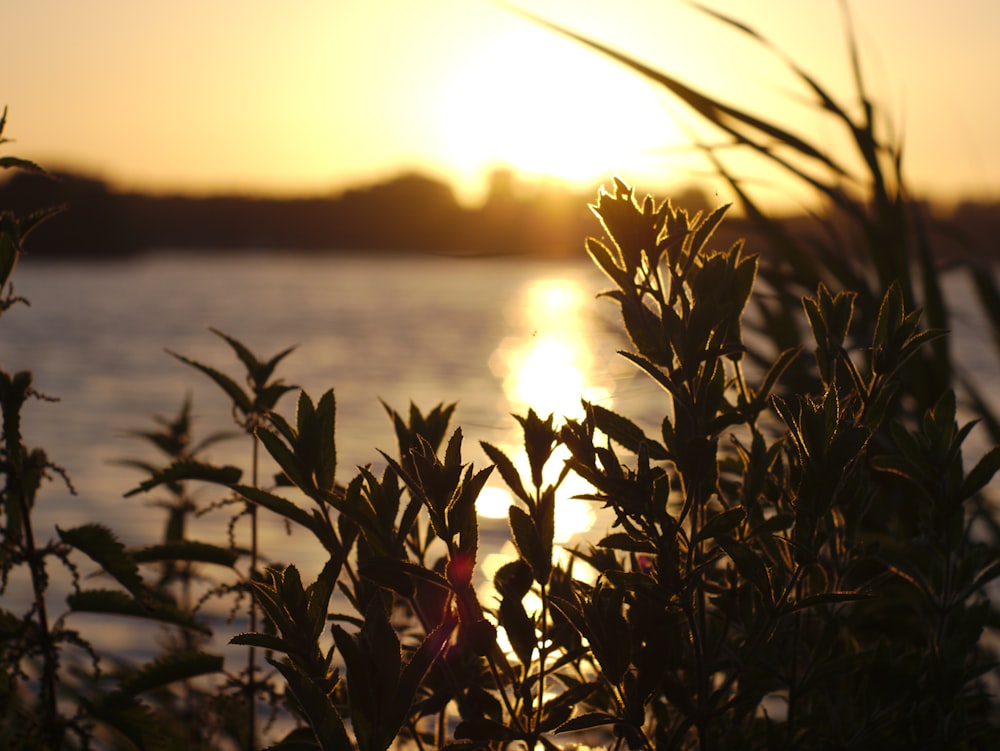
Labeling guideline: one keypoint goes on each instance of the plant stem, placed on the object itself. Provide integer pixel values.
(543, 654)
(50, 660)
(251, 650)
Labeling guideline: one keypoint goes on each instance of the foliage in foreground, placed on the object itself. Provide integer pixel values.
(787, 567)
(799, 557)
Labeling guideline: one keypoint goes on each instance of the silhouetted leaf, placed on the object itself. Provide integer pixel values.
(189, 470)
(186, 550)
(827, 598)
(415, 672)
(519, 626)
(627, 433)
(981, 474)
(707, 227)
(528, 543)
(280, 506)
(264, 641)
(326, 416)
(507, 471)
(318, 708)
(167, 669)
(606, 261)
(258, 370)
(112, 602)
(286, 459)
(748, 565)
(238, 396)
(625, 541)
(587, 721)
(100, 544)
(720, 524)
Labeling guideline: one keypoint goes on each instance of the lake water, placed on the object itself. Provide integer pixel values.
(495, 335)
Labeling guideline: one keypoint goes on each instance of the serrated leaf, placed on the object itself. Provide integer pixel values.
(100, 544)
(627, 433)
(587, 721)
(264, 641)
(720, 524)
(624, 541)
(528, 544)
(326, 416)
(259, 372)
(606, 261)
(112, 602)
(167, 669)
(189, 469)
(238, 396)
(707, 227)
(186, 550)
(360, 689)
(317, 707)
(11, 162)
(286, 459)
(415, 671)
(280, 506)
(507, 471)
(653, 371)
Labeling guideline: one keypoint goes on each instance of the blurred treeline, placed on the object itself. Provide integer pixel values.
(409, 212)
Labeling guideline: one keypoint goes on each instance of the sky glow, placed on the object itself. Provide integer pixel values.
(315, 95)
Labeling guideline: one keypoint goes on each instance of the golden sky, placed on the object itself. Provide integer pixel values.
(312, 95)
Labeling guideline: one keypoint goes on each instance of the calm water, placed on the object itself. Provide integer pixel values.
(496, 335)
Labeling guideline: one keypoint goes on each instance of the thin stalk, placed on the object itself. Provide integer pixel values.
(498, 681)
(50, 662)
(251, 650)
(792, 715)
(543, 654)
(449, 674)
(705, 688)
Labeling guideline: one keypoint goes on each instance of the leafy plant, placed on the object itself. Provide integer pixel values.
(798, 557)
(251, 407)
(48, 698)
(869, 232)
(767, 548)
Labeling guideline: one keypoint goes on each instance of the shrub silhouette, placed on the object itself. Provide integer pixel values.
(798, 559)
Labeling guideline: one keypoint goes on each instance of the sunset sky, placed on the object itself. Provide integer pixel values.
(313, 95)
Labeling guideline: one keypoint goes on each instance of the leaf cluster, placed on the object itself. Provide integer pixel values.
(797, 558)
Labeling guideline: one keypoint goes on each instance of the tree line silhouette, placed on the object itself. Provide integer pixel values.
(408, 212)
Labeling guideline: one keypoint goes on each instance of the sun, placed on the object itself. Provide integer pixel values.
(543, 106)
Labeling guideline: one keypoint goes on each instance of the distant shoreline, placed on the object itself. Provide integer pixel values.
(407, 213)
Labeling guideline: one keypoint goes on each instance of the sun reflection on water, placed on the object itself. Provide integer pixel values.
(548, 362)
